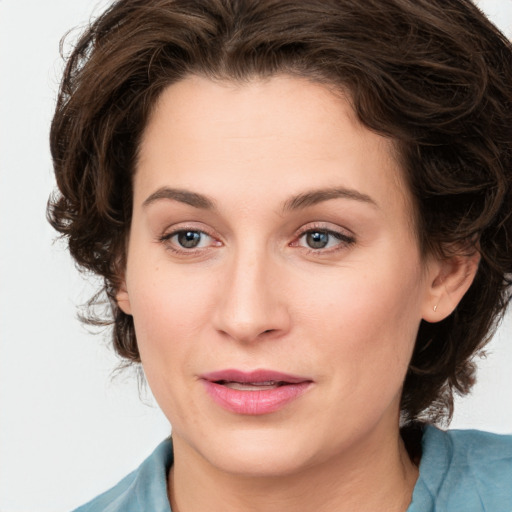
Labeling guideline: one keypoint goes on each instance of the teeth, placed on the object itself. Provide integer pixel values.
(252, 386)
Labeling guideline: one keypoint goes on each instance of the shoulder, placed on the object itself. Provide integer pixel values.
(477, 447)
(465, 470)
(143, 489)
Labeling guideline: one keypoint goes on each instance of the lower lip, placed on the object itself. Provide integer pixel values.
(255, 402)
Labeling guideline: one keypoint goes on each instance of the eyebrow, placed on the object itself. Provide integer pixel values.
(300, 201)
(314, 197)
(183, 196)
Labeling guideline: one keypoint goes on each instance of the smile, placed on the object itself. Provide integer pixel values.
(254, 393)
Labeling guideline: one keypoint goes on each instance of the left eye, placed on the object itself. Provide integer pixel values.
(322, 239)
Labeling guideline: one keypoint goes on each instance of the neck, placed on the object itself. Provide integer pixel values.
(377, 476)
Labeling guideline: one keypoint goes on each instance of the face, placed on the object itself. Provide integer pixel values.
(273, 274)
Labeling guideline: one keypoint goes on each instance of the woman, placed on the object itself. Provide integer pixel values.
(302, 212)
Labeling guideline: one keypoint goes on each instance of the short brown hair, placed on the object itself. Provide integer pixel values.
(435, 76)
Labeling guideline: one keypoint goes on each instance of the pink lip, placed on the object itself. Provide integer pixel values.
(254, 402)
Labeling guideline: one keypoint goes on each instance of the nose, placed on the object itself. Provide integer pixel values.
(252, 301)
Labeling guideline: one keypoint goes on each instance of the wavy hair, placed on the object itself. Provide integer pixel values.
(435, 76)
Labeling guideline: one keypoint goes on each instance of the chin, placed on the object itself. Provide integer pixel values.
(257, 452)
(257, 462)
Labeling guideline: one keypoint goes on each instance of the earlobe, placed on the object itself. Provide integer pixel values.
(123, 299)
(449, 280)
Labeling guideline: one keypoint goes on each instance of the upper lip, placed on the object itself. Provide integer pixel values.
(253, 377)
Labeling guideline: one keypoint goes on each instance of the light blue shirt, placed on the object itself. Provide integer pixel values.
(460, 471)
(464, 471)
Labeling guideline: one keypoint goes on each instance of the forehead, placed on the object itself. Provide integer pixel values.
(263, 108)
(282, 134)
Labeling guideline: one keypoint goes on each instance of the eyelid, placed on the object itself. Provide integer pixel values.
(326, 227)
(170, 232)
(343, 235)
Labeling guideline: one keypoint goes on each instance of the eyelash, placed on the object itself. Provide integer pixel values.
(166, 240)
(344, 240)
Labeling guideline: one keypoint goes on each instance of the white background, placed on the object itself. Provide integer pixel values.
(68, 429)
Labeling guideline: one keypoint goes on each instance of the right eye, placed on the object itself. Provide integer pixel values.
(183, 240)
(190, 239)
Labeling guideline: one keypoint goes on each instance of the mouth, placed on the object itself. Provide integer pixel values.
(251, 386)
(254, 393)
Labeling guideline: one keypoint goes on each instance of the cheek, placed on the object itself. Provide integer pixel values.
(169, 316)
(169, 311)
(370, 325)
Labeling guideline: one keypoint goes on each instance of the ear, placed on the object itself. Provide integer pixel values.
(123, 299)
(449, 279)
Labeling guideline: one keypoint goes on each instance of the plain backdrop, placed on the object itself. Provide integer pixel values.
(70, 428)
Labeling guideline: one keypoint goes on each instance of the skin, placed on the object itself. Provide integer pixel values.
(253, 294)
